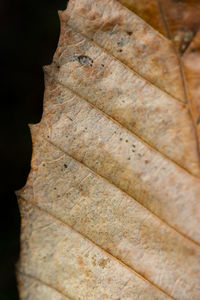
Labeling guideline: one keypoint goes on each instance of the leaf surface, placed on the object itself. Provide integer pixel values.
(191, 64)
(111, 206)
(177, 20)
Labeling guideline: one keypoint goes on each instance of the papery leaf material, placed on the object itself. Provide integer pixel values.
(111, 206)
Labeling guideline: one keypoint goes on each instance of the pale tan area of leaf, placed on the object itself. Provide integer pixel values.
(112, 220)
(68, 262)
(136, 104)
(111, 206)
(177, 20)
(34, 289)
(191, 64)
(109, 149)
(130, 39)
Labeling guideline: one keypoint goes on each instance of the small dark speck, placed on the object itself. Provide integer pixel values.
(120, 139)
(128, 158)
(102, 65)
(55, 188)
(133, 150)
(120, 50)
(85, 128)
(65, 165)
(198, 120)
(126, 141)
(58, 196)
(44, 165)
(129, 32)
(146, 161)
(48, 136)
(193, 50)
(133, 146)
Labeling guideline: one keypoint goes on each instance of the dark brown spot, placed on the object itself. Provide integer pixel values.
(129, 32)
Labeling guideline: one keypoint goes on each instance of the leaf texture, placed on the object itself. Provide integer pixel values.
(111, 206)
(177, 20)
(191, 64)
(128, 38)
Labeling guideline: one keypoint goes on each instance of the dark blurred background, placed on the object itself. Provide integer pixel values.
(29, 32)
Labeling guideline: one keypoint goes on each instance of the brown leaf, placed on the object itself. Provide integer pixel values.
(191, 63)
(149, 10)
(178, 20)
(111, 206)
(182, 20)
(128, 38)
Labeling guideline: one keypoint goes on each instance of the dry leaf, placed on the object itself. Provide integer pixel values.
(177, 20)
(146, 9)
(111, 206)
(129, 39)
(191, 64)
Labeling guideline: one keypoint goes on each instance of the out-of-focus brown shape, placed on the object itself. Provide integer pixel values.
(183, 21)
(149, 11)
(179, 20)
(110, 210)
(191, 64)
